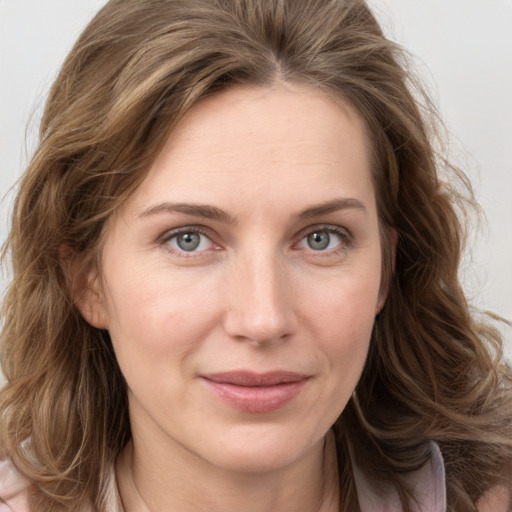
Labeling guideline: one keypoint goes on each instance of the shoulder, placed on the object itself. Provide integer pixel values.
(14, 491)
(496, 499)
(428, 484)
(13, 488)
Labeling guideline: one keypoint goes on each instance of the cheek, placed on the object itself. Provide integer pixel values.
(342, 319)
(155, 321)
(340, 322)
(346, 302)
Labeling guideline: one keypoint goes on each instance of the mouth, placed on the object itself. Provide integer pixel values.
(256, 392)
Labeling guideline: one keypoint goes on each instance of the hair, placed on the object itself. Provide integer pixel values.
(434, 371)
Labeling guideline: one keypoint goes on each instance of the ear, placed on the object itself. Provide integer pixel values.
(383, 294)
(85, 289)
(90, 301)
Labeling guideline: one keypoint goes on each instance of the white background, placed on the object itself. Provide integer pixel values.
(463, 49)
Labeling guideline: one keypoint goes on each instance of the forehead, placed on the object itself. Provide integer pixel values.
(272, 143)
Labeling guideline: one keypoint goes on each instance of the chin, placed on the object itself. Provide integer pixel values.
(261, 450)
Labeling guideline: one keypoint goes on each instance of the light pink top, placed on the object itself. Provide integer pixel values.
(428, 484)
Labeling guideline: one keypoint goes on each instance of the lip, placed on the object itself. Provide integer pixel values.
(256, 392)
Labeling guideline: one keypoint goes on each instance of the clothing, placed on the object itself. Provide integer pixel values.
(428, 484)
(13, 495)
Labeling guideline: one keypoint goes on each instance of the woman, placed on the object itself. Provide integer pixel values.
(235, 278)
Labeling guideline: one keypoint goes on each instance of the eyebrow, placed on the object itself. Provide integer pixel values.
(215, 213)
(342, 203)
(196, 210)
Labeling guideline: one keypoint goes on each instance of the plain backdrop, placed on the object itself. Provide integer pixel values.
(462, 48)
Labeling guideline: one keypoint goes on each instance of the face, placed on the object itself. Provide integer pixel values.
(240, 282)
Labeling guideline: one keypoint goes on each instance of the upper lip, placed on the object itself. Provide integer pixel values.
(255, 379)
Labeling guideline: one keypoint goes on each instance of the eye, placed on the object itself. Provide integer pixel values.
(318, 241)
(325, 239)
(188, 241)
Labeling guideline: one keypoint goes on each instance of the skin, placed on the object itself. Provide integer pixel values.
(279, 164)
(497, 499)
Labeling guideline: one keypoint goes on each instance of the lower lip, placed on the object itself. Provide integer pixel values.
(257, 399)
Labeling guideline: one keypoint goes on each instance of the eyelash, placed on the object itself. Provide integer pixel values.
(169, 235)
(345, 243)
(346, 239)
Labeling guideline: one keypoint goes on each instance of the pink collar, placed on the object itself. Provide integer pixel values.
(428, 484)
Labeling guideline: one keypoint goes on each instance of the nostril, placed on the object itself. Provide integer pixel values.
(260, 327)
(261, 304)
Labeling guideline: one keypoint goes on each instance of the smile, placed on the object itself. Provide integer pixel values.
(256, 393)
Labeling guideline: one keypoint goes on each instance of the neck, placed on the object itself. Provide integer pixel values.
(156, 484)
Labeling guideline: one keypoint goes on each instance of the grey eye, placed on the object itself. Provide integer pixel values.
(319, 240)
(188, 241)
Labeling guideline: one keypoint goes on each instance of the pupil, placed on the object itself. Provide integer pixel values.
(318, 241)
(188, 241)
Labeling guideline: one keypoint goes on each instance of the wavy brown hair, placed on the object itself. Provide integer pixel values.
(434, 372)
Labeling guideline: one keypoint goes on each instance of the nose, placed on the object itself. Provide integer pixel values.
(260, 299)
